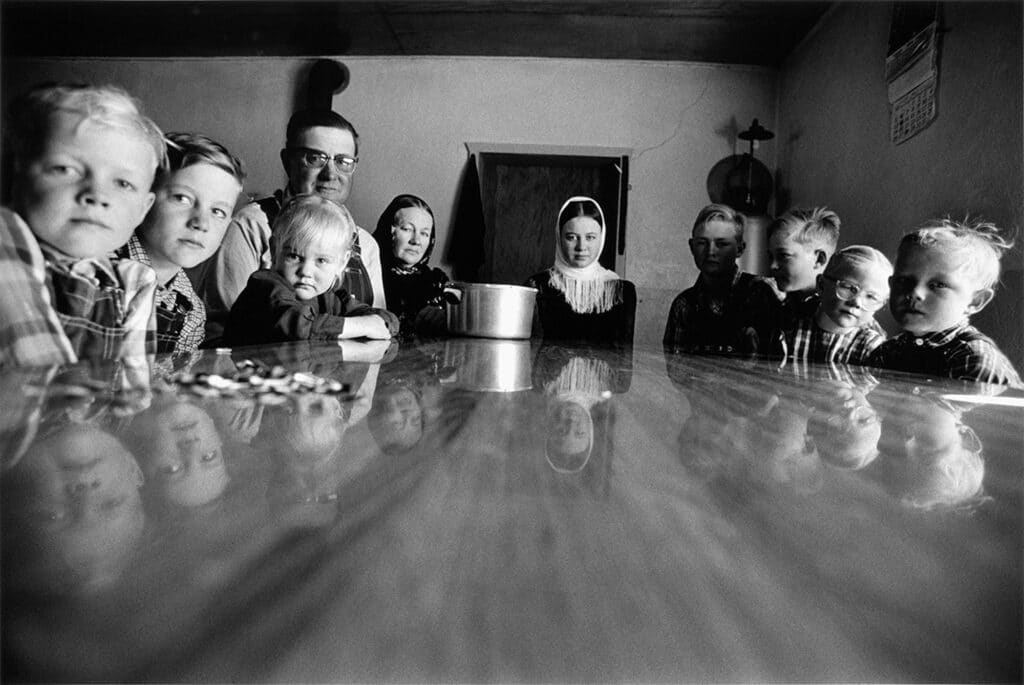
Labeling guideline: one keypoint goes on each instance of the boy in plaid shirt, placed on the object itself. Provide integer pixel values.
(800, 243)
(842, 329)
(85, 159)
(709, 316)
(193, 207)
(945, 272)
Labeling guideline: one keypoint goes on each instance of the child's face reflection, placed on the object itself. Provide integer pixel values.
(314, 426)
(847, 431)
(938, 460)
(571, 428)
(79, 490)
(402, 417)
(84, 477)
(187, 461)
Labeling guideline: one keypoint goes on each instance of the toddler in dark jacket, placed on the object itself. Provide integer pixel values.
(301, 298)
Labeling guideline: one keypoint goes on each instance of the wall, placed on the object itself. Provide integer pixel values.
(415, 115)
(834, 147)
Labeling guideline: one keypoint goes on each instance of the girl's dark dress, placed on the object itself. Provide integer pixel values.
(554, 319)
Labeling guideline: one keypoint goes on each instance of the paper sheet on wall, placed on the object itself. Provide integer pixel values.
(912, 74)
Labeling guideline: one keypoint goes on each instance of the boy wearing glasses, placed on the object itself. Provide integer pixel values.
(320, 156)
(946, 272)
(842, 330)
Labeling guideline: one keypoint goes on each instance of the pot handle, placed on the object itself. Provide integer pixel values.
(452, 294)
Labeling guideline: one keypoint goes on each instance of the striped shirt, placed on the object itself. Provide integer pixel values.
(806, 341)
(180, 314)
(961, 352)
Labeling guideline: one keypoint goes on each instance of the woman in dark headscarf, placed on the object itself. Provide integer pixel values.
(406, 235)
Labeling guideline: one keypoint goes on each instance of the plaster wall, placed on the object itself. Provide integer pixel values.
(415, 114)
(834, 147)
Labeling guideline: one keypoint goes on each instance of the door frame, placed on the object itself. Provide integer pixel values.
(620, 155)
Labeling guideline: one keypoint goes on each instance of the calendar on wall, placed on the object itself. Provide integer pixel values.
(912, 68)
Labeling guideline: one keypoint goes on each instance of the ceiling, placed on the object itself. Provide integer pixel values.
(734, 32)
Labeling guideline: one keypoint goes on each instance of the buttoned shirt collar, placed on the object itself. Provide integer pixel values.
(936, 338)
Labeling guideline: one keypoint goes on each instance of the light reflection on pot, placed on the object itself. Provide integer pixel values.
(489, 365)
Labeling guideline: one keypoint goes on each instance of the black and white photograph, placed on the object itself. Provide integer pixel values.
(511, 341)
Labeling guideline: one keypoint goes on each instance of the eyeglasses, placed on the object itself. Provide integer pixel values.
(315, 159)
(848, 292)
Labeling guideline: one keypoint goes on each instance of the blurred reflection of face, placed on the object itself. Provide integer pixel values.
(789, 456)
(941, 460)
(314, 428)
(847, 434)
(186, 461)
(401, 417)
(571, 428)
(82, 495)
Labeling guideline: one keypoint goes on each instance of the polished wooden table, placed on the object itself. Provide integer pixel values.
(485, 511)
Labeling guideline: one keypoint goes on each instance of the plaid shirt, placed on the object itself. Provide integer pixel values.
(30, 330)
(105, 307)
(711, 319)
(768, 311)
(809, 342)
(961, 352)
(180, 314)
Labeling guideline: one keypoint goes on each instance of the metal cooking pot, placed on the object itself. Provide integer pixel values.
(489, 365)
(487, 310)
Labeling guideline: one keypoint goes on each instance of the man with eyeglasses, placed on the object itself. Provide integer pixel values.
(320, 155)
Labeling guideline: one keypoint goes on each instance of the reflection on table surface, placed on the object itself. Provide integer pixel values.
(474, 510)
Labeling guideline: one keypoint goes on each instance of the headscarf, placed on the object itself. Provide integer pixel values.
(590, 289)
(384, 234)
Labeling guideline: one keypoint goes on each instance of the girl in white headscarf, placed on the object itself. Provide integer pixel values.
(578, 299)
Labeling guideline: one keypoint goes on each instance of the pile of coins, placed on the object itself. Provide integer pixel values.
(253, 379)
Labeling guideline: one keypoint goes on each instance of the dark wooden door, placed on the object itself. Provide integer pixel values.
(522, 194)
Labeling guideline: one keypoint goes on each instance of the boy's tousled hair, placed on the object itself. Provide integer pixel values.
(979, 241)
(858, 255)
(819, 224)
(187, 149)
(308, 218)
(720, 212)
(29, 116)
(308, 118)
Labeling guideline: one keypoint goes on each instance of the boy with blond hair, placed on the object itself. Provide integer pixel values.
(302, 297)
(800, 243)
(85, 159)
(194, 204)
(708, 316)
(842, 330)
(946, 272)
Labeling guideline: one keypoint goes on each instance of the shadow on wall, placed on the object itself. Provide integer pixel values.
(1001, 320)
(466, 243)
